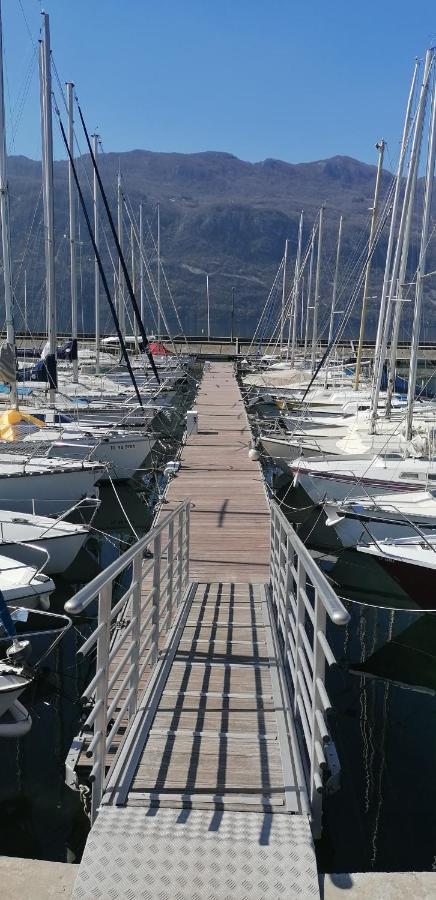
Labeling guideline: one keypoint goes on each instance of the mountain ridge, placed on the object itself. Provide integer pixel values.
(219, 214)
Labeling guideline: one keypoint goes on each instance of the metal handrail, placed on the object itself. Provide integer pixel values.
(126, 648)
(87, 594)
(335, 608)
(302, 602)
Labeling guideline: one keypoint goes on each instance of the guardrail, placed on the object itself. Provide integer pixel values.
(303, 602)
(126, 639)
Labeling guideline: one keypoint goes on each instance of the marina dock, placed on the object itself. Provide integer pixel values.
(209, 793)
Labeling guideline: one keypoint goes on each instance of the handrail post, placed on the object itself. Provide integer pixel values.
(136, 616)
(320, 622)
(157, 543)
(299, 620)
(187, 536)
(287, 603)
(170, 566)
(180, 539)
(101, 691)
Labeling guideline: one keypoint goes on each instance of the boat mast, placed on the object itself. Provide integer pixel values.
(421, 268)
(282, 316)
(158, 277)
(72, 210)
(309, 293)
(6, 235)
(380, 146)
(141, 261)
(317, 287)
(296, 291)
(334, 291)
(95, 140)
(47, 188)
(132, 258)
(208, 307)
(399, 297)
(384, 316)
(121, 311)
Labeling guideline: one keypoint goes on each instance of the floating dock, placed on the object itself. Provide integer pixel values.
(209, 794)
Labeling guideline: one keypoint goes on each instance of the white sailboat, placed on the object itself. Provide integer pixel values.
(121, 452)
(15, 720)
(40, 540)
(45, 486)
(381, 517)
(24, 585)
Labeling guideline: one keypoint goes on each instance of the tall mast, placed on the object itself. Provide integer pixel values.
(380, 146)
(302, 310)
(296, 290)
(414, 161)
(208, 307)
(72, 210)
(95, 139)
(392, 361)
(133, 266)
(158, 271)
(6, 236)
(121, 310)
(317, 287)
(309, 292)
(282, 315)
(398, 177)
(335, 289)
(429, 180)
(141, 261)
(47, 186)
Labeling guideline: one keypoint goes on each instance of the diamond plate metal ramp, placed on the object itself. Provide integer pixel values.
(167, 854)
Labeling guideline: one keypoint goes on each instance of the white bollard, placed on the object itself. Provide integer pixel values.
(191, 422)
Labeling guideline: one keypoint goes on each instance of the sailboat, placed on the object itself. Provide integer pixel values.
(30, 483)
(370, 455)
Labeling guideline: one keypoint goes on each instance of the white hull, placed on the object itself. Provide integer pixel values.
(12, 686)
(320, 488)
(49, 492)
(17, 722)
(351, 530)
(121, 456)
(59, 545)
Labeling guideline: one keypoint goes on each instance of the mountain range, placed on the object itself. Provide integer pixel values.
(219, 215)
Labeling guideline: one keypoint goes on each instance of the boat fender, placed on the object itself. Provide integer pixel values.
(19, 651)
(18, 723)
(44, 602)
(171, 468)
(253, 454)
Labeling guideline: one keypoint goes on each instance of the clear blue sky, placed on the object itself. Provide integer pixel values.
(258, 78)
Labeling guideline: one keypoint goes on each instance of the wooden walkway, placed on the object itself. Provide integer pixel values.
(207, 798)
(214, 739)
(230, 527)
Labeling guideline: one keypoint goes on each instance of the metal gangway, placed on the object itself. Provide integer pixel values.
(207, 735)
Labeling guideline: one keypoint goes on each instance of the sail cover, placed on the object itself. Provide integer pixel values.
(14, 425)
(7, 363)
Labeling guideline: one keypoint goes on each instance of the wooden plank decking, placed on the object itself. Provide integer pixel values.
(229, 517)
(214, 740)
(229, 535)
(215, 732)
